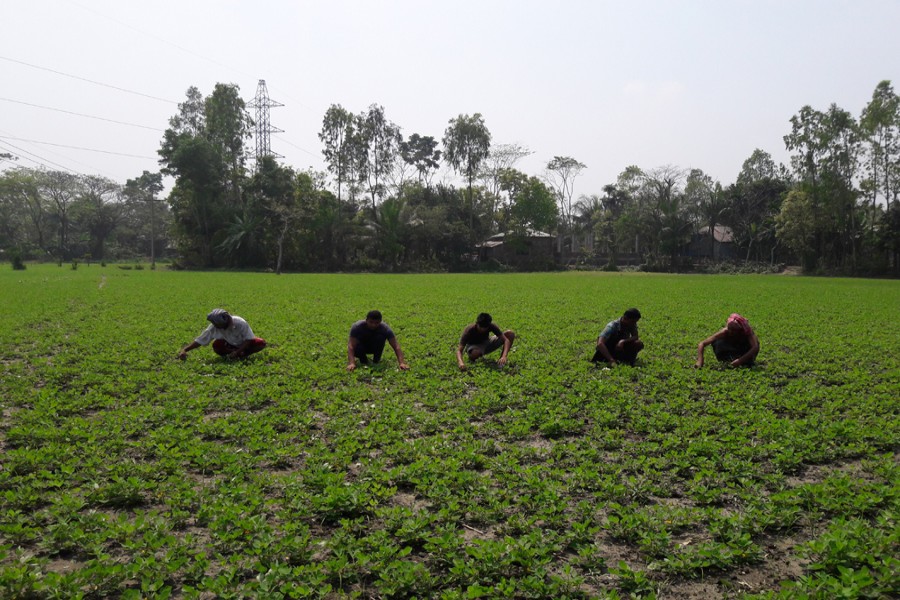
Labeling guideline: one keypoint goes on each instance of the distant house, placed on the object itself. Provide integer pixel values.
(720, 247)
(527, 249)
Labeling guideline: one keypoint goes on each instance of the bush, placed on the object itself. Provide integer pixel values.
(16, 260)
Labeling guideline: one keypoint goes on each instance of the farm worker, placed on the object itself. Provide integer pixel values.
(231, 336)
(619, 340)
(736, 343)
(369, 337)
(476, 341)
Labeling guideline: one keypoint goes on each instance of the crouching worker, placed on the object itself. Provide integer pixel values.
(619, 340)
(369, 337)
(231, 336)
(476, 341)
(736, 343)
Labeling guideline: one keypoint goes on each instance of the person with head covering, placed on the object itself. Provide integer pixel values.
(619, 341)
(369, 337)
(736, 343)
(230, 335)
(476, 341)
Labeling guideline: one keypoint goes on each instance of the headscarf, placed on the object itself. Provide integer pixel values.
(741, 321)
(219, 317)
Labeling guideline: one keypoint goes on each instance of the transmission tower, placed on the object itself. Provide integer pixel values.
(262, 103)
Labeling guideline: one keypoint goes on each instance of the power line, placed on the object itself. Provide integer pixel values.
(69, 112)
(278, 137)
(7, 137)
(181, 48)
(87, 80)
(89, 168)
(157, 38)
(41, 160)
(187, 51)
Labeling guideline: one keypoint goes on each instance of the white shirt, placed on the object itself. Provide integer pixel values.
(235, 334)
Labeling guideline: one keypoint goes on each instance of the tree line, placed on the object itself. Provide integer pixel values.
(377, 206)
(63, 216)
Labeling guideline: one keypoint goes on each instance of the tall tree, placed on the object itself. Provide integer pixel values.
(391, 224)
(705, 197)
(880, 128)
(889, 235)
(797, 226)
(500, 158)
(19, 188)
(532, 203)
(203, 149)
(607, 220)
(379, 141)
(467, 143)
(754, 200)
(826, 159)
(338, 130)
(758, 167)
(276, 189)
(421, 152)
(191, 116)
(197, 209)
(669, 215)
(60, 189)
(561, 174)
(144, 190)
(100, 205)
(228, 125)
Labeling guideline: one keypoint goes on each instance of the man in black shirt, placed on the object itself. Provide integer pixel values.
(619, 341)
(369, 337)
(476, 341)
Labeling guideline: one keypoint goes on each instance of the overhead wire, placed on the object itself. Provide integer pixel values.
(157, 38)
(100, 83)
(5, 134)
(7, 137)
(192, 53)
(289, 143)
(44, 162)
(81, 114)
(121, 89)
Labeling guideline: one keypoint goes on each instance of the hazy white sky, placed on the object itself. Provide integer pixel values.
(694, 84)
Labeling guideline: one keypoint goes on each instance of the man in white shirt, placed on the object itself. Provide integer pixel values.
(231, 336)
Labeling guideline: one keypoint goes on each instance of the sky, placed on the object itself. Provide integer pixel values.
(690, 84)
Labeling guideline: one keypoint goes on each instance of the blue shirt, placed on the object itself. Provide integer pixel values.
(614, 332)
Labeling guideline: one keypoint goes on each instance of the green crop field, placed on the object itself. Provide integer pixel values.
(127, 473)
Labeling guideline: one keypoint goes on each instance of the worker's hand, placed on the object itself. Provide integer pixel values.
(235, 354)
(698, 364)
(462, 366)
(613, 363)
(351, 366)
(404, 366)
(502, 361)
(181, 355)
(736, 362)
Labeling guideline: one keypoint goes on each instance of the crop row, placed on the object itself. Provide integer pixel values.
(126, 472)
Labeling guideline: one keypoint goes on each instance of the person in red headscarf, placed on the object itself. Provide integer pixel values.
(736, 343)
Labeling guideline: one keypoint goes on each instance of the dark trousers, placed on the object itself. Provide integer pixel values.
(375, 348)
(626, 351)
(729, 350)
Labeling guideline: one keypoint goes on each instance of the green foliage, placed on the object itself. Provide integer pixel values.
(15, 259)
(127, 473)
